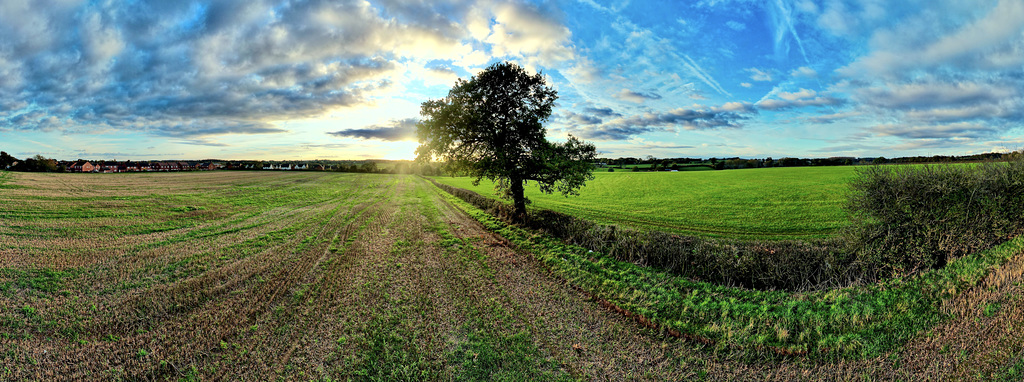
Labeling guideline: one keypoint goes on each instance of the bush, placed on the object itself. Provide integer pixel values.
(908, 218)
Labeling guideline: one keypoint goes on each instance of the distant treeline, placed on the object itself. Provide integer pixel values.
(651, 163)
(377, 166)
(39, 163)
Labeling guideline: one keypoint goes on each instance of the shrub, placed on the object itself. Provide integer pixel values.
(908, 218)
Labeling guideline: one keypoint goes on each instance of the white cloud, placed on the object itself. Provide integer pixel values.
(801, 98)
(759, 75)
(990, 42)
(804, 72)
(525, 31)
(736, 26)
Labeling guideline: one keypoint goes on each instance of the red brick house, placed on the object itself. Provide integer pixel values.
(82, 166)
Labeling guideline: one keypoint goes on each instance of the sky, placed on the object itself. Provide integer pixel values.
(287, 80)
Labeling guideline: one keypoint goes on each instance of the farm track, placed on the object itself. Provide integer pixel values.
(381, 278)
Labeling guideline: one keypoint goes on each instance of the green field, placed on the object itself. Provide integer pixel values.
(772, 203)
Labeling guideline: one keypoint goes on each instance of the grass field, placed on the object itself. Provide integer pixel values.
(326, 276)
(772, 203)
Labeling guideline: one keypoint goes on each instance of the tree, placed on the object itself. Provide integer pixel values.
(6, 160)
(492, 127)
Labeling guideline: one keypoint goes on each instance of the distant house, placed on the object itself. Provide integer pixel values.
(166, 166)
(137, 166)
(108, 167)
(82, 166)
(301, 166)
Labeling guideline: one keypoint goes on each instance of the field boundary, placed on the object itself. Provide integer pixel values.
(793, 265)
(858, 322)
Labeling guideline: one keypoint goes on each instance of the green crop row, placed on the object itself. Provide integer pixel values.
(852, 322)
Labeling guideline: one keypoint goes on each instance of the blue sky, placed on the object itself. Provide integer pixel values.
(251, 79)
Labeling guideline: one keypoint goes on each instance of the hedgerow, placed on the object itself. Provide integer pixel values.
(910, 218)
(851, 322)
(760, 264)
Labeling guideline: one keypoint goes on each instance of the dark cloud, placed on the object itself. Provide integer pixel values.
(399, 130)
(934, 94)
(726, 116)
(637, 97)
(614, 132)
(603, 112)
(957, 130)
(943, 112)
(581, 119)
(201, 142)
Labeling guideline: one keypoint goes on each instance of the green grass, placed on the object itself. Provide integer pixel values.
(854, 322)
(772, 203)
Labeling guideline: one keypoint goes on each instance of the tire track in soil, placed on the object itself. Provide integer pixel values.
(277, 307)
(323, 284)
(357, 295)
(228, 297)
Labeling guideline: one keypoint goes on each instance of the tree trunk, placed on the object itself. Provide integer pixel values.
(518, 199)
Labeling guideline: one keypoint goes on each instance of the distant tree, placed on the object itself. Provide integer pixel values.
(880, 160)
(610, 169)
(37, 163)
(368, 167)
(492, 127)
(6, 160)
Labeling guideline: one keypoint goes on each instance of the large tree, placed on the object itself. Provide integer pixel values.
(492, 127)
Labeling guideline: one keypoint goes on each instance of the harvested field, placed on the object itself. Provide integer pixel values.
(324, 276)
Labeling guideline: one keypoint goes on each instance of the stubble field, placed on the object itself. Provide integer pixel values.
(321, 276)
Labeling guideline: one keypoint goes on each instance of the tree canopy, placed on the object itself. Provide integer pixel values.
(492, 127)
(6, 160)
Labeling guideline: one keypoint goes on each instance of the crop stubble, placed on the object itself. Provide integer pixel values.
(305, 276)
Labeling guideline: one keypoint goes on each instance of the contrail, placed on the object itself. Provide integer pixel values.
(700, 73)
(788, 20)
